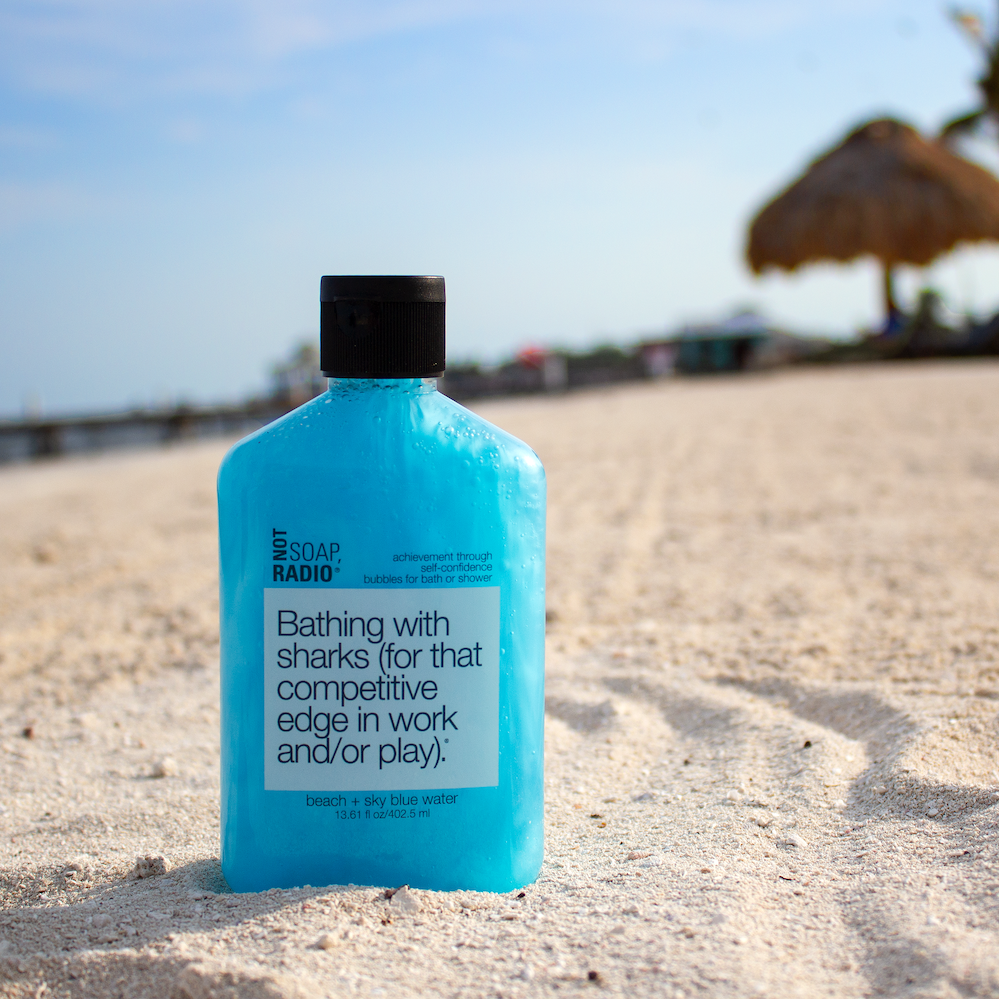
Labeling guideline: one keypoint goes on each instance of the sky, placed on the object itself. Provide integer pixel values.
(177, 175)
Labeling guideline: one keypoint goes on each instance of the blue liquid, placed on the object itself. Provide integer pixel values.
(378, 468)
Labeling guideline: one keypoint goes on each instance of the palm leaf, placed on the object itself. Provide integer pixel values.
(958, 127)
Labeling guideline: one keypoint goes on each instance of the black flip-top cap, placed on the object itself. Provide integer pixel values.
(382, 326)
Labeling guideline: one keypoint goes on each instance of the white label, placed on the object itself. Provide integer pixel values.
(371, 690)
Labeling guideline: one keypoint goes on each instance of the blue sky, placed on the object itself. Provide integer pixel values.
(176, 175)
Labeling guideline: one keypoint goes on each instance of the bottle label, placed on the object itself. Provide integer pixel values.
(381, 689)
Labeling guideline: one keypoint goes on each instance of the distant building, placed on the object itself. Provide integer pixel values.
(724, 346)
(745, 341)
(659, 357)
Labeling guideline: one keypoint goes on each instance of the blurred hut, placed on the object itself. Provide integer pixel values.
(721, 347)
(885, 192)
(551, 365)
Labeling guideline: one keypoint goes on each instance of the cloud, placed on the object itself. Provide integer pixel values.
(23, 204)
(19, 137)
(92, 48)
(186, 131)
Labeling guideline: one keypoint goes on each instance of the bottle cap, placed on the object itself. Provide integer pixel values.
(382, 327)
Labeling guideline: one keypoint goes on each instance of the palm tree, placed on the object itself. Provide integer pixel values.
(988, 83)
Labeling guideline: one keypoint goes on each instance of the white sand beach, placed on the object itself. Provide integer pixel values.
(772, 728)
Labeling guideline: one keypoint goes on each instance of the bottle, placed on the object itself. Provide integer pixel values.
(382, 622)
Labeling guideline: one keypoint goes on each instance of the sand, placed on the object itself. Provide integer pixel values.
(772, 696)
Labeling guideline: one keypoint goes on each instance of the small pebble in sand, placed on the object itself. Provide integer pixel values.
(932, 813)
(632, 910)
(75, 872)
(764, 820)
(167, 767)
(639, 854)
(405, 901)
(793, 839)
(149, 866)
(327, 942)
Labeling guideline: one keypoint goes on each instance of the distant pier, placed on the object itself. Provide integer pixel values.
(34, 438)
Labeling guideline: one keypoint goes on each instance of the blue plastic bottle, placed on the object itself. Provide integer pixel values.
(382, 619)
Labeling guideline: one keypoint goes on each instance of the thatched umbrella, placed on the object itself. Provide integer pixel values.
(884, 191)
